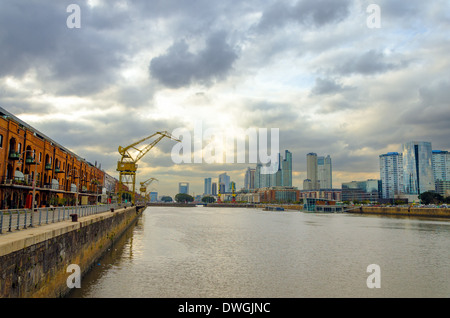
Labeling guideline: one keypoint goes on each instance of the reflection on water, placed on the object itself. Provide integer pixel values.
(220, 252)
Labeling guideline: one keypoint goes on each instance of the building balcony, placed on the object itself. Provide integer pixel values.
(48, 166)
(58, 170)
(30, 161)
(14, 155)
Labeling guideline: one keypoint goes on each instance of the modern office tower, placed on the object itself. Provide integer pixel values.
(258, 176)
(324, 172)
(417, 167)
(440, 161)
(280, 176)
(249, 181)
(183, 187)
(391, 174)
(262, 178)
(307, 184)
(311, 170)
(225, 180)
(276, 178)
(443, 187)
(286, 168)
(222, 188)
(207, 186)
(214, 188)
(153, 196)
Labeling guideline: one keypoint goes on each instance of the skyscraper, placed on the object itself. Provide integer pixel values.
(324, 172)
(311, 170)
(441, 165)
(207, 186)
(225, 180)
(417, 167)
(286, 168)
(183, 187)
(249, 182)
(214, 188)
(318, 172)
(282, 175)
(391, 174)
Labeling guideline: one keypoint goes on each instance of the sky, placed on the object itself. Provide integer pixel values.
(333, 76)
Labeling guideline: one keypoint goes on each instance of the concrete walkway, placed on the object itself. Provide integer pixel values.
(20, 239)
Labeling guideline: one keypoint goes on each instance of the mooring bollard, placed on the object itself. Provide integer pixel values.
(112, 209)
(74, 217)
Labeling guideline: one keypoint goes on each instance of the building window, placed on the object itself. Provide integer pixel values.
(1, 141)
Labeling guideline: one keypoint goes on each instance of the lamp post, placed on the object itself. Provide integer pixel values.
(78, 185)
(33, 184)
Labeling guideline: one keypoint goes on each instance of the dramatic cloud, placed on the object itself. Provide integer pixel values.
(179, 67)
(313, 69)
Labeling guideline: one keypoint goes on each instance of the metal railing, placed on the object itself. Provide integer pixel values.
(18, 219)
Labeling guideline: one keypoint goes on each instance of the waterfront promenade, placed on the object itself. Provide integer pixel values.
(33, 261)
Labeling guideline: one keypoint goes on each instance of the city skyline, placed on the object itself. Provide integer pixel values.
(314, 69)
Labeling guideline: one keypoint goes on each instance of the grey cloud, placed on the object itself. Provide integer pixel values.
(315, 13)
(368, 63)
(178, 67)
(326, 87)
(35, 37)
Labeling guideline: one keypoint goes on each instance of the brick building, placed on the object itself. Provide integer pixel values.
(62, 177)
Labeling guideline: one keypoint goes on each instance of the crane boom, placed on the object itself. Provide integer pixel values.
(127, 165)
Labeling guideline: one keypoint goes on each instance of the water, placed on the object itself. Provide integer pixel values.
(241, 253)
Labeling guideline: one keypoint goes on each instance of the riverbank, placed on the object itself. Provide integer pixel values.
(403, 211)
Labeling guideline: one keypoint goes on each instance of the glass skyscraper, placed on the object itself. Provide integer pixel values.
(441, 165)
(286, 169)
(207, 186)
(282, 176)
(391, 174)
(417, 167)
(318, 172)
(324, 173)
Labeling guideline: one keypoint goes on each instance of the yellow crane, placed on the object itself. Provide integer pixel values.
(130, 155)
(145, 184)
(143, 188)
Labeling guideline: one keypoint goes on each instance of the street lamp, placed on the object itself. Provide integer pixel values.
(78, 184)
(34, 182)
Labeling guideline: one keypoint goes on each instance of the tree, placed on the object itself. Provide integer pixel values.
(183, 197)
(208, 199)
(166, 198)
(430, 197)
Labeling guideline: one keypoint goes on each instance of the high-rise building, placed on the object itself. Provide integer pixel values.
(225, 180)
(153, 196)
(276, 178)
(307, 184)
(280, 176)
(311, 170)
(440, 161)
(214, 188)
(286, 168)
(391, 174)
(417, 167)
(318, 172)
(249, 182)
(324, 172)
(183, 187)
(207, 189)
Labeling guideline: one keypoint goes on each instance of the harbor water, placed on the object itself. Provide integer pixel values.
(245, 253)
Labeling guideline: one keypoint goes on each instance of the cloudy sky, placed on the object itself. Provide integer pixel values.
(312, 68)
